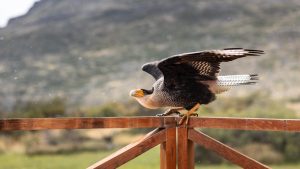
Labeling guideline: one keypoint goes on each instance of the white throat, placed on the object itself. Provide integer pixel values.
(147, 102)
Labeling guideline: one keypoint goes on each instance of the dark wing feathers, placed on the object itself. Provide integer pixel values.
(224, 55)
(197, 66)
(205, 68)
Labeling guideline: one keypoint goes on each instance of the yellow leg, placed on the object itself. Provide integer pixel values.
(191, 112)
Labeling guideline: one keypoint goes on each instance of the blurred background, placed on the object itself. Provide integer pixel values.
(66, 58)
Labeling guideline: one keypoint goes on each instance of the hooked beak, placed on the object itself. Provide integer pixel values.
(137, 93)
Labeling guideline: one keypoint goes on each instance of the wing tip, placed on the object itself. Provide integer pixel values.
(250, 52)
(143, 67)
(254, 52)
(254, 77)
(233, 49)
(149, 64)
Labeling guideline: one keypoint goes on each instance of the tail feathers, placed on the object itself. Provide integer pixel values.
(237, 80)
(224, 83)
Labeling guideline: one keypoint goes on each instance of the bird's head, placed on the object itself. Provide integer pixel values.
(139, 93)
(143, 96)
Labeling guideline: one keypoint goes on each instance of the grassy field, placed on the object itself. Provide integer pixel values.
(81, 160)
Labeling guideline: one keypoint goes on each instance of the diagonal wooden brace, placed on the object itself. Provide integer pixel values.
(225, 151)
(131, 151)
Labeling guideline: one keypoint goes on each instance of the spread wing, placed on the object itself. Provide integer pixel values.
(152, 69)
(199, 66)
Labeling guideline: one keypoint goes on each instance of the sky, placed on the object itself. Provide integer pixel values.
(13, 8)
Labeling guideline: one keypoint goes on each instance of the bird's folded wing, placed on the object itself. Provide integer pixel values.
(152, 69)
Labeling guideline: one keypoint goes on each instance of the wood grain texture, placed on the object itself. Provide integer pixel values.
(186, 151)
(131, 151)
(85, 123)
(149, 122)
(292, 125)
(224, 150)
(163, 155)
(171, 148)
(168, 150)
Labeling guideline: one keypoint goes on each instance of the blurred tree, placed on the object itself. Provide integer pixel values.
(52, 108)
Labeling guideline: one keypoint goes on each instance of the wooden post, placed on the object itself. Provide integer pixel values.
(186, 150)
(163, 155)
(168, 150)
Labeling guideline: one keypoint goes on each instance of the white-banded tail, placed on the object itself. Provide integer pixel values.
(237, 80)
(224, 83)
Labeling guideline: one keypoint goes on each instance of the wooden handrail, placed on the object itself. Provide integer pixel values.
(149, 122)
(85, 123)
(177, 142)
(266, 124)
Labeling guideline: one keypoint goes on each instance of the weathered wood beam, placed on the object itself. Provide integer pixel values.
(149, 122)
(225, 151)
(85, 123)
(246, 123)
(131, 151)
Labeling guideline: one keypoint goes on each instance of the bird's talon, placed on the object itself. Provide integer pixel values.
(187, 121)
(169, 112)
(194, 114)
(186, 117)
(178, 113)
(182, 120)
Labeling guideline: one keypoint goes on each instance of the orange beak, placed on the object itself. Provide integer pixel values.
(137, 93)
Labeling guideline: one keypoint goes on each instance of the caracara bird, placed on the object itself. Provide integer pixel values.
(188, 80)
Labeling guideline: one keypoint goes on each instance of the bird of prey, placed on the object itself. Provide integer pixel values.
(188, 80)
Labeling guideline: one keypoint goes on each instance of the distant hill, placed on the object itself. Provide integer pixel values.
(91, 51)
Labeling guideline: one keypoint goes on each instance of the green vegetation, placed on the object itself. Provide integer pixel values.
(55, 107)
(257, 104)
(63, 161)
(111, 110)
(149, 160)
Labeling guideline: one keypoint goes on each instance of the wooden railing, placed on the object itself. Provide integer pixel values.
(176, 142)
